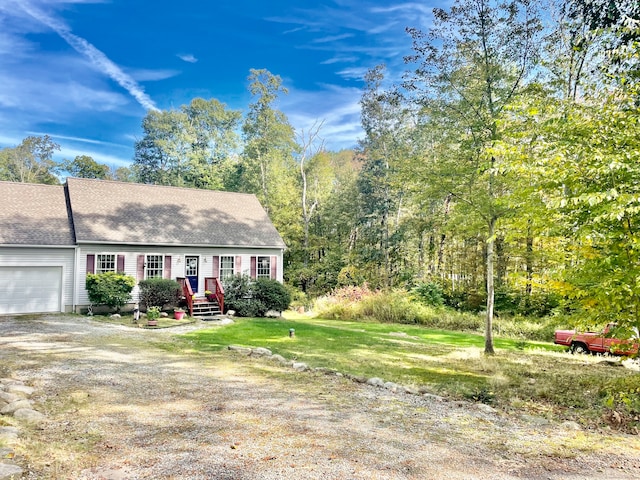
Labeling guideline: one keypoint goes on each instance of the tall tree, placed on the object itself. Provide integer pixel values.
(83, 166)
(192, 146)
(30, 162)
(269, 140)
(470, 66)
(384, 121)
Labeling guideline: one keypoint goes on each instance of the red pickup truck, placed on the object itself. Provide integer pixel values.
(596, 342)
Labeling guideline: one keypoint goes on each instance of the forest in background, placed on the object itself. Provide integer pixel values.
(501, 171)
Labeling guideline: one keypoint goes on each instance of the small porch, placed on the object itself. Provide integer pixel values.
(201, 306)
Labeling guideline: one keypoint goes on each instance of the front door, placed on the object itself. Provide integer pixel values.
(191, 271)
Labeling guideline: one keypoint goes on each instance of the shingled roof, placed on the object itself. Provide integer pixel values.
(117, 212)
(34, 214)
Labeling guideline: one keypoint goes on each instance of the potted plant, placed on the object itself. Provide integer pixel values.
(153, 313)
(178, 313)
(210, 295)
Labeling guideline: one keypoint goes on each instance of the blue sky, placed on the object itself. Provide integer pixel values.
(85, 72)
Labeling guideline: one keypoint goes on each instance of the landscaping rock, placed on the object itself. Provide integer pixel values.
(272, 314)
(411, 390)
(571, 426)
(18, 389)
(376, 382)
(243, 350)
(281, 359)
(483, 407)
(9, 434)
(29, 416)
(300, 366)
(116, 315)
(261, 352)
(17, 405)
(9, 397)
(394, 387)
(10, 472)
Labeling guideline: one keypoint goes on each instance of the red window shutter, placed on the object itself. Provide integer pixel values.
(140, 267)
(237, 267)
(91, 263)
(254, 268)
(216, 266)
(120, 267)
(274, 267)
(167, 266)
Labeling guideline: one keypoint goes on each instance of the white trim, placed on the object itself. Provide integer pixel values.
(180, 245)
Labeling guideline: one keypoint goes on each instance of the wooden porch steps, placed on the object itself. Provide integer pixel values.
(204, 308)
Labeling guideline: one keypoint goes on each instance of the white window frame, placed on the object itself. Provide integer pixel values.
(227, 272)
(157, 269)
(263, 271)
(101, 261)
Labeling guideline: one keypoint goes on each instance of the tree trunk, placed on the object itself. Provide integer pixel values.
(488, 334)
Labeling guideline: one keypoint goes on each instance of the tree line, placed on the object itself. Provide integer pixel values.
(503, 167)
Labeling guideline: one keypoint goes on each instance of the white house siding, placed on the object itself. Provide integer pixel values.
(177, 254)
(62, 258)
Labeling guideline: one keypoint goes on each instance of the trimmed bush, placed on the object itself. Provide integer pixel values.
(251, 298)
(109, 288)
(272, 294)
(159, 292)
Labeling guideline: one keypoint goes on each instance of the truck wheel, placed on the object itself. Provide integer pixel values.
(580, 348)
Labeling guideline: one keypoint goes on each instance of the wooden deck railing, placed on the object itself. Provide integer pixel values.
(187, 292)
(214, 286)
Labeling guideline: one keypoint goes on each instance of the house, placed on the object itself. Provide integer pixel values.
(52, 236)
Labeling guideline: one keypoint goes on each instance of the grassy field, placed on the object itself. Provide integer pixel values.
(536, 377)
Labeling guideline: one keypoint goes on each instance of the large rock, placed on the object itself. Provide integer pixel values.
(243, 350)
(376, 382)
(261, 352)
(10, 472)
(8, 434)
(29, 416)
(18, 389)
(17, 405)
(9, 397)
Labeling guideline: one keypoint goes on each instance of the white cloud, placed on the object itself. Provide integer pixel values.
(337, 106)
(95, 56)
(187, 57)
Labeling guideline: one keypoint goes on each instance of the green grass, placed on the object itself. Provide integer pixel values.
(127, 321)
(536, 377)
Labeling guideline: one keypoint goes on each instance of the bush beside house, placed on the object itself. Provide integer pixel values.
(159, 292)
(254, 298)
(110, 289)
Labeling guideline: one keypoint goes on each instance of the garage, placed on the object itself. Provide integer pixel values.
(34, 289)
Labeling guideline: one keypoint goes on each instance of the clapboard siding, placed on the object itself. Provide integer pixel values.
(177, 254)
(40, 257)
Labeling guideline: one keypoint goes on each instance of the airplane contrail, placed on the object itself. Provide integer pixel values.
(98, 58)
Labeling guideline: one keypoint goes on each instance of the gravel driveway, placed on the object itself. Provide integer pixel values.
(120, 407)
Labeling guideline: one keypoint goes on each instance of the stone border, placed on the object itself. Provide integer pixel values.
(373, 381)
(15, 402)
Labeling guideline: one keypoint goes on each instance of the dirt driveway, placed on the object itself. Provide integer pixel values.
(120, 407)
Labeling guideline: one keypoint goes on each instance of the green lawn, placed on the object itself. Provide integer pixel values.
(535, 376)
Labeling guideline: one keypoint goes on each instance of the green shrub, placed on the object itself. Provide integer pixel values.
(429, 293)
(159, 292)
(272, 294)
(249, 298)
(109, 288)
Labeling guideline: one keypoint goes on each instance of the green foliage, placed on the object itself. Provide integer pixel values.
(110, 288)
(191, 146)
(249, 298)
(153, 313)
(84, 166)
(622, 396)
(30, 162)
(429, 293)
(159, 292)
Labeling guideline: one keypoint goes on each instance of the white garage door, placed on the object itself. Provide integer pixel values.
(30, 289)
